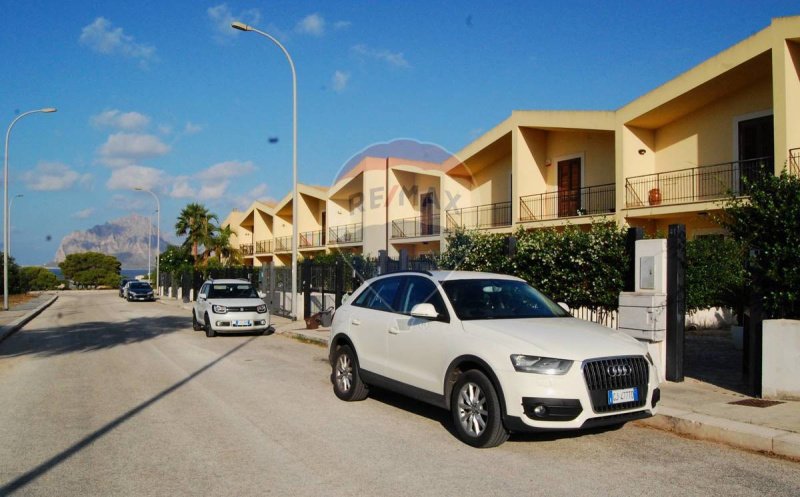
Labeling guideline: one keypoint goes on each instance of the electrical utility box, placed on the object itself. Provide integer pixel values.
(643, 313)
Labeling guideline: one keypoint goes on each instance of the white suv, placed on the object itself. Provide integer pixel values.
(498, 354)
(230, 306)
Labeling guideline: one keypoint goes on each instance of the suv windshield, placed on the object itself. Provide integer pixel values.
(232, 291)
(499, 299)
(139, 286)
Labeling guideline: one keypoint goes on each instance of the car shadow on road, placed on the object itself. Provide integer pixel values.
(444, 418)
(90, 336)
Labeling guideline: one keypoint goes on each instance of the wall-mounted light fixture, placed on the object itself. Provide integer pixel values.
(642, 151)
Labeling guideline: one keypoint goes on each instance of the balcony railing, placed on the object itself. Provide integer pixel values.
(264, 247)
(590, 200)
(283, 244)
(697, 184)
(246, 248)
(495, 215)
(411, 227)
(310, 239)
(350, 233)
(794, 161)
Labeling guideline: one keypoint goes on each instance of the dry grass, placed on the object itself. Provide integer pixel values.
(19, 298)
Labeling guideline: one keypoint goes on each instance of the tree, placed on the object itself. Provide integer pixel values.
(175, 258)
(38, 278)
(767, 224)
(91, 269)
(196, 223)
(221, 246)
(14, 283)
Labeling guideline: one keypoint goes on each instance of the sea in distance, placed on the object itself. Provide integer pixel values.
(126, 273)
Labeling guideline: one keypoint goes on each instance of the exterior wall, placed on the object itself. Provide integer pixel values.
(262, 227)
(708, 135)
(492, 183)
(780, 367)
(786, 88)
(596, 148)
(375, 207)
(529, 167)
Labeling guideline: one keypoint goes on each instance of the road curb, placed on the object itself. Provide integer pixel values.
(303, 336)
(14, 326)
(734, 433)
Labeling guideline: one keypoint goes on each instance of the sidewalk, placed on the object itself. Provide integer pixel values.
(692, 408)
(18, 315)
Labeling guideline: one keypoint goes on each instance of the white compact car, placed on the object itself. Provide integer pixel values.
(230, 306)
(499, 355)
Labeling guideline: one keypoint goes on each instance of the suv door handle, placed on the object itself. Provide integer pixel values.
(355, 322)
(394, 330)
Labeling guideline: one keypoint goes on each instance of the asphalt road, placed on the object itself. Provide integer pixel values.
(105, 397)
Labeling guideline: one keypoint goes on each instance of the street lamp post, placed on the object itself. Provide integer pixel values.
(244, 27)
(11, 204)
(5, 202)
(158, 234)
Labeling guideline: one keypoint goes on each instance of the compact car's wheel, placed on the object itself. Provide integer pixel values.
(207, 326)
(195, 325)
(347, 384)
(476, 411)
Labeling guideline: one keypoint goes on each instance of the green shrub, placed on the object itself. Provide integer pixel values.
(38, 278)
(715, 275)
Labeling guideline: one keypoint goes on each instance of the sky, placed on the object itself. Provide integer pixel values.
(167, 96)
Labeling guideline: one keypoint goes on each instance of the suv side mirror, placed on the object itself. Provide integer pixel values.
(563, 306)
(201, 296)
(425, 311)
(261, 294)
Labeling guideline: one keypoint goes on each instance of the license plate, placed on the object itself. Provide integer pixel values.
(242, 322)
(622, 396)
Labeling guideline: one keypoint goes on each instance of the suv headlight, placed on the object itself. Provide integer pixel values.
(219, 309)
(261, 309)
(540, 365)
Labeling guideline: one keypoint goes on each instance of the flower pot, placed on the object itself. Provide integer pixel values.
(654, 196)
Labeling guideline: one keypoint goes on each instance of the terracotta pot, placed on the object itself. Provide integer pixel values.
(654, 197)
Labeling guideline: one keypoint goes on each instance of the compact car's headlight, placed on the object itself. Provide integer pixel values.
(219, 309)
(261, 309)
(540, 365)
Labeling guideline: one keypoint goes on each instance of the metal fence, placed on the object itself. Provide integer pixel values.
(495, 215)
(697, 184)
(350, 233)
(591, 200)
(411, 227)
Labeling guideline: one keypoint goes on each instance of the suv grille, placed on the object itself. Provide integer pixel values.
(242, 309)
(603, 375)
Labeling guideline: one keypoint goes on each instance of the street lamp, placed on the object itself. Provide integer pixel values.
(244, 27)
(10, 204)
(5, 202)
(158, 234)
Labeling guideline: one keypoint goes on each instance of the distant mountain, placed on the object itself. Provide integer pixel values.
(124, 238)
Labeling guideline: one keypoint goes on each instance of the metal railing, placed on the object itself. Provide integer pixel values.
(264, 247)
(590, 200)
(246, 248)
(794, 161)
(312, 239)
(495, 215)
(283, 244)
(696, 184)
(416, 226)
(349, 233)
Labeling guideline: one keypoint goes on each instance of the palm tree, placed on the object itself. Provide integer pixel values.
(221, 245)
(197, 224)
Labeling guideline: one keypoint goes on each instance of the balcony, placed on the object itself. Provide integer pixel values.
(264, 247)
(496, 215)
(283, 244)
(794, 161)
(350, 233)
(697, 184)
(246, 249)
(412, 227)
(310, 239)
(591, 200)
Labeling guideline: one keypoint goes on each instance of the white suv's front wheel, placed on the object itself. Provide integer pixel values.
(347, 384)
(476, 411)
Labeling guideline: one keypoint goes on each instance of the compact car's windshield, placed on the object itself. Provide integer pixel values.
(499, 299)
(232, 291)
(139, 286)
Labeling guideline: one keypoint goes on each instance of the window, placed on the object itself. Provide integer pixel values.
(380, 295)
(232, 291)
(420, 290)
(499, 299)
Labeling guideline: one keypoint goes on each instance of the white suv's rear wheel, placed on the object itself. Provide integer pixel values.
(476, 411)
